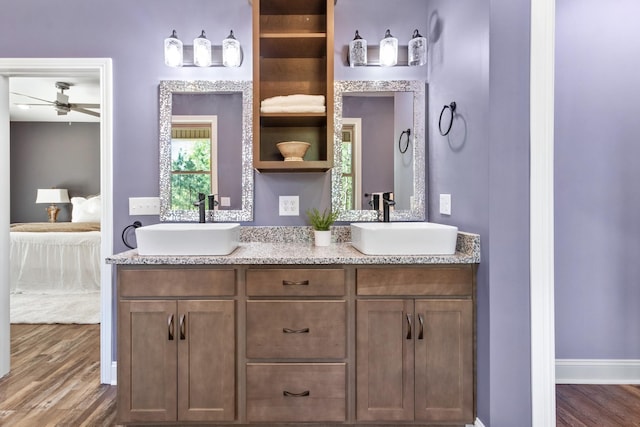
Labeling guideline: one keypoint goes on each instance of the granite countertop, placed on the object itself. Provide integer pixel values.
(302, 251)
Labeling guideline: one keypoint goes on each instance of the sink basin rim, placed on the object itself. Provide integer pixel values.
(404, 238)
(193, 239)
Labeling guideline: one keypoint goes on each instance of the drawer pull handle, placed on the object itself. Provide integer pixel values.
(408, 326)
(183, 327)
(295, 331)
(295, 283)
(421, 333)
(170, 327)
(303, 394)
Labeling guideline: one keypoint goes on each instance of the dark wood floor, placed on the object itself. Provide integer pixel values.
(580, 405)
(55, 381)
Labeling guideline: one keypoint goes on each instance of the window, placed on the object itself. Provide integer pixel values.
(351, 158)
(193, 159)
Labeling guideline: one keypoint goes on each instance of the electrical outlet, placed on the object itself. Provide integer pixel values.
(225, 201)
(289, 205)
(445, 204)
(144, 205)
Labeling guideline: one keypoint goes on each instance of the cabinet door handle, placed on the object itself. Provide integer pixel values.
(408, 326)
(421, 333)
(183, 327)
(170, 327)
(295, 331)
(295, 283)
(303, 394)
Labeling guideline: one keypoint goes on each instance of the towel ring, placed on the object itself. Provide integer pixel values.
(135, 225)
(406, 147)
(451, 107)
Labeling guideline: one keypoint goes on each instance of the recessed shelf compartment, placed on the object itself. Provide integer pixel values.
(293, 54)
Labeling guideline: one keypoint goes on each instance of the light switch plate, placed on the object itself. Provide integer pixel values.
(144, 205)
(289, 205)
(225, 201)
(445, 204)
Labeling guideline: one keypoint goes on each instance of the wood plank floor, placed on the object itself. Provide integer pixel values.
(55, 378)
(580, 405)
(55, 381)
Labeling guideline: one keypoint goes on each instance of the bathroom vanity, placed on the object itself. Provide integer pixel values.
(292, 333)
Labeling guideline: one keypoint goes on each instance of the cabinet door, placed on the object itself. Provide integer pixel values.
(206, 360)
(147, 344)
(444, 361)
(384, 360)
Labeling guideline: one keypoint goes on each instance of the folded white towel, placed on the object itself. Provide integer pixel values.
(292, 109)
(299, 99)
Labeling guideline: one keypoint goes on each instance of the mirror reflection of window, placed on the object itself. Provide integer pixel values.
(351, 150)
(193, 159)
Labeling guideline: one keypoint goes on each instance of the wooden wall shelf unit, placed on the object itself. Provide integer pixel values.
(292, 54)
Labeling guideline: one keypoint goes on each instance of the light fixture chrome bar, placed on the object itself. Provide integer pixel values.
(373, 55)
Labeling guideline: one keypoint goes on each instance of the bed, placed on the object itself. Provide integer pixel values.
(55, 257)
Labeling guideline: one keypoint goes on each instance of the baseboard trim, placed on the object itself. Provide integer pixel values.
(597, 371)
(478, 423)
(114, 373)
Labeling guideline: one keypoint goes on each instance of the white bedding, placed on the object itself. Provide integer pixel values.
(55, 262)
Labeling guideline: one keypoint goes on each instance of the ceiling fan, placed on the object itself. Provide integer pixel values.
(62, 104)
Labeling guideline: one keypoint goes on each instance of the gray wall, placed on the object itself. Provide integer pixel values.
(597, 201)
(484, 165)
(46, 155)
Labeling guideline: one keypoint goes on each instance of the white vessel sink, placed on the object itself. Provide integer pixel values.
(404, 238)
(188, 239)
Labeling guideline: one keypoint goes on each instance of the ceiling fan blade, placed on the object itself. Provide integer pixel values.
(82, 110)
(33, 97)
(85, 105)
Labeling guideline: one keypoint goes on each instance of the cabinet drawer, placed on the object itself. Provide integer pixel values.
(174, 282)
(432, 281)
(295, 282)
(299, 392)
(296, 329)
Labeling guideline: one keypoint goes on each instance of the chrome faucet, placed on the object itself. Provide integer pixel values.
(387, 202)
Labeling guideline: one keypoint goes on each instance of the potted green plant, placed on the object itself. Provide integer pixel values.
(321, 224)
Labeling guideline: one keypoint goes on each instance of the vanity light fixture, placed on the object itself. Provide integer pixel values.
(201, 51)
(357, 51)
(388, 50)
(417, 49)
(231, 54)
(173, 50)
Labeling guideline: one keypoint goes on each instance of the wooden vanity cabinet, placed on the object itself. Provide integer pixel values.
(292, 54)
(415, 346)
(176, 345)
(296, 335)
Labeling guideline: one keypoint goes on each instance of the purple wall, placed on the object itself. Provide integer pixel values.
(484, 164)
(377, 141)
(597, 201)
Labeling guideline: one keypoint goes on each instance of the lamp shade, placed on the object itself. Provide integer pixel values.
(388, 50)
(231, 54)
(173, 50)
(202, 51)
(52, 195)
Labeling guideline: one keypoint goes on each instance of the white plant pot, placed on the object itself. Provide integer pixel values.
(322, 238)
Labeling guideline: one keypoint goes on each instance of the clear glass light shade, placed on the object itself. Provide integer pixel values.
(417, 53)
(173, 51)
(231, 54)
(357, 51)
(202, 51)
(388, 50)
